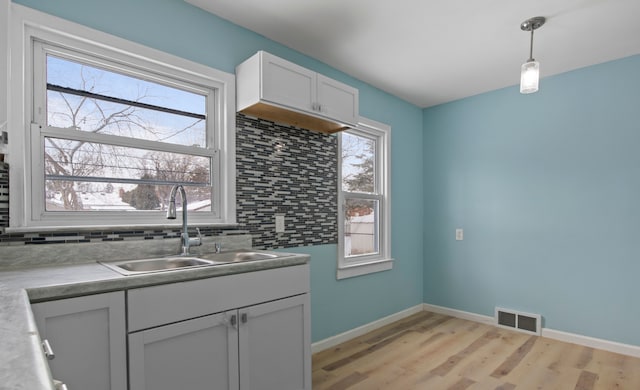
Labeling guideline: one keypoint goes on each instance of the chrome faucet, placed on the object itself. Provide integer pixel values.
(185, 241)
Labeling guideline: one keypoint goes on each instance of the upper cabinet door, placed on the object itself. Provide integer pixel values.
(288, 84)
(337, 100)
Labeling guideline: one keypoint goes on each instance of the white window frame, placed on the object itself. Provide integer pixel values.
(25, 156)
(381, 261)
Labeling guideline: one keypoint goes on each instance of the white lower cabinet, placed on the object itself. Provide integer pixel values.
(88, 337)
(274, 350)
(259, 347)
(196, 354)
(247, 331)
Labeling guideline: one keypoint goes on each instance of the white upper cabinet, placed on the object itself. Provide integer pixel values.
(287, 84)
(275, 89)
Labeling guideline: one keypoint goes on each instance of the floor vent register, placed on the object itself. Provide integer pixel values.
(516, 320)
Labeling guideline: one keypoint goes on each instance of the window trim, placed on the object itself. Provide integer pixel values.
(381, 261)
(28, 26)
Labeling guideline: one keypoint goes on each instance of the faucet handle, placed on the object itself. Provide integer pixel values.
(196, 241)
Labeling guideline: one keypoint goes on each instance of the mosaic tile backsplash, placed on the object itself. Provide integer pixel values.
(287, 171)
(281, 170)
(4, 194)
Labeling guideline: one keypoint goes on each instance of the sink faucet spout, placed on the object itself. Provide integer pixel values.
(185, 241)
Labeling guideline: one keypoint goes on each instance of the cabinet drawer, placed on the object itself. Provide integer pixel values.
(158, 305)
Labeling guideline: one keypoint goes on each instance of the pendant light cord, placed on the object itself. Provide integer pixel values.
(531, 47)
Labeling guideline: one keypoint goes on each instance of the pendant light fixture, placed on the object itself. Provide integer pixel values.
(530, 71)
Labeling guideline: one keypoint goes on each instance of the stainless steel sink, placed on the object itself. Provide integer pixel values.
(240, 256)
(172, 263)
(132, 267)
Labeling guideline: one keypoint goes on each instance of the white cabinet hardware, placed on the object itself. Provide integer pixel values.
(48, 351)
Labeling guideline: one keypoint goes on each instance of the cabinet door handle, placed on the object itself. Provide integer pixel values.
(48, 351)
(234, 320)
(243, 318)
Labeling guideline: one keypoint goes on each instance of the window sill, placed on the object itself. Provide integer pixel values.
(364, 268)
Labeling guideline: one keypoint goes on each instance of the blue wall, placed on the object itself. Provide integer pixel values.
(178, 28)
(546, 186)
(547, 189)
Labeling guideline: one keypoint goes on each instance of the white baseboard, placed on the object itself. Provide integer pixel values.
(366, 328)
(465, 315)
(611, 346)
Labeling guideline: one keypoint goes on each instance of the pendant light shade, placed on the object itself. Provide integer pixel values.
(530, 70)
(529, 76)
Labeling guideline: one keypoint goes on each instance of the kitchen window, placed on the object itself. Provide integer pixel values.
(110, 132)
(364, 212)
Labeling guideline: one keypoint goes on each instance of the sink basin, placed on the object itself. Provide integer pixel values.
(172, 263)
(240, 255)
(132, 267)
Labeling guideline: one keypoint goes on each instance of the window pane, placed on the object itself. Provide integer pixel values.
(360, 227)
(87, 98)
(64, 195)
(72, 166)
(64, 157)
(358, 163)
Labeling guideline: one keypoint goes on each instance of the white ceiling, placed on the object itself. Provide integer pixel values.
(434, 51)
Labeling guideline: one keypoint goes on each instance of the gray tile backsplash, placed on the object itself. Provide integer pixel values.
(288, 171)
(4, 194)
(280, 170)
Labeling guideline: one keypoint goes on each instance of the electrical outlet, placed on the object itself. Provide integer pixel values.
(459, 234)
(279, 223)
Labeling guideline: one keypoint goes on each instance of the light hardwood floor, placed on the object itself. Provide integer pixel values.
(433, 351)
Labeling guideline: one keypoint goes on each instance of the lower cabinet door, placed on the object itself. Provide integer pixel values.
(197, 354)
(275, 345)
(88, 337)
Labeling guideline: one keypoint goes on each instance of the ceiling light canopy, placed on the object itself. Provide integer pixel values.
(530, 70)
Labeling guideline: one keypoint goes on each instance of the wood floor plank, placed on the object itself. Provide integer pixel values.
(483, 362)
(429, 356)
(506, 386)
(462, 384)
(348, 381)
(414, 321)
(586, 356)
(358, 355)
(514, 359)
(420, 358)
(489, 383)
(379, 365)
(453, 360)
(586, 381)
(433, 351)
